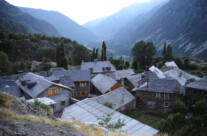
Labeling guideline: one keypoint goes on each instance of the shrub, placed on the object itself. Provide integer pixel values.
(41, 105)
(201, 106)
(105, 122)
(179, 107)
(109, 104)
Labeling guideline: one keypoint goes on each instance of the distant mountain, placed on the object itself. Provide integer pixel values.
(13, 15)
(181, 23)
(66, 26)
(107, 27)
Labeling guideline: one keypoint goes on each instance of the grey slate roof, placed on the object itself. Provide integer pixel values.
(103, 83)
(182, 79)
(76, 75)
(200, 84)
(9, 86)
(116, 97)
(41, 84)
(163, 86)
(97, 66)
(67, 81)
(89, 109)
(134, 80)
(123, 73)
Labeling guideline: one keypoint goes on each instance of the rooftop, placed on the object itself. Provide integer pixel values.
(134, 80)
(157, 72)
(103, 83)
(88, 110)
(123, 73)
(44, 100)
(120, 97)
(97, 66)
(200, 84)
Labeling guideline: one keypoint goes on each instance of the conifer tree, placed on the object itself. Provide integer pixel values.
(60, 56)
(164, 53)
(96, 55)
(103, 52)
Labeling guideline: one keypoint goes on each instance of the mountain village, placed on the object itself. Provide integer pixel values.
(97, 89)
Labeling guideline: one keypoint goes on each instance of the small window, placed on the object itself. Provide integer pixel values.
(62, 103)
(85, 84)
(57, 92)
(166, 96)
(50, 92)
(81, 84)
(75, 94)
(81, 93)
(166, 104)
(86, 94)
(158, 95)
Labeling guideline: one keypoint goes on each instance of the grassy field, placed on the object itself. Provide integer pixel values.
(199, 73)
(147, 117)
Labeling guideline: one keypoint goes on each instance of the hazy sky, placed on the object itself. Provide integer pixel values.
(80, 11)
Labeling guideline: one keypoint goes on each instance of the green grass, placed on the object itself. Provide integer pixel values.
(199, 73)
(147, 117)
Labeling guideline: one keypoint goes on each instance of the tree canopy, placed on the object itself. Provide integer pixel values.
(143, 53)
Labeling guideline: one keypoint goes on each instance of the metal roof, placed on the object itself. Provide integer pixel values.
(89, 109)
(120, 97)
(103, 83)
(157, 72)
(44, 100)
(97, 66)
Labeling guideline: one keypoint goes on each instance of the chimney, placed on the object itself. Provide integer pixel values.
(95, 60)
(122, 97)
(180, 75)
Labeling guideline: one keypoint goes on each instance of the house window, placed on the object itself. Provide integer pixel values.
(166, 96)
(62, 103)
(83, 93)
(75, 94)
(83, 84)
(158, 95)
(166, 104)
(50, 92)
(57, 92)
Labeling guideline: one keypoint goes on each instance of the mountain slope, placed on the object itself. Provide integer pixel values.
(33, 25)
(66, 26)
(180, 23)
(107, 27)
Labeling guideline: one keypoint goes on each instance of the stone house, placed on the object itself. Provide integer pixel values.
(98, 67)
(195, 91)
(102, 84)
(77, 79)
(122, 100)
(35, 86)
(159, 94)
(133, 81)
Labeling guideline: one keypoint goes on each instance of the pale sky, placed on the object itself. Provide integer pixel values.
(80, 11)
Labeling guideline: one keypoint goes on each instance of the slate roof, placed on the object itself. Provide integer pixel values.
(41, 84)
(67, 81)
(180, 75)
(171, 64)
(76, 75)
(123, 73)
(89, 109)
(157, 72)
(134, 80)
(97, 66)
(162, 86)
(103, 83)
(10, 87)
(117, 96)
(200, 84)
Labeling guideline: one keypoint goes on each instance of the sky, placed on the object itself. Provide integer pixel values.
(80, 11)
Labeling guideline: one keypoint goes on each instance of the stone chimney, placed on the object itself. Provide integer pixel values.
(122, 97)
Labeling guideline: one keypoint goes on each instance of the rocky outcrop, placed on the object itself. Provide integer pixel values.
(10, 127)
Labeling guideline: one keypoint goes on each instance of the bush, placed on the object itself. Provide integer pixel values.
(201, 106)
(41, 105)
(179, 107)
(109, 104)
(105, 122)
